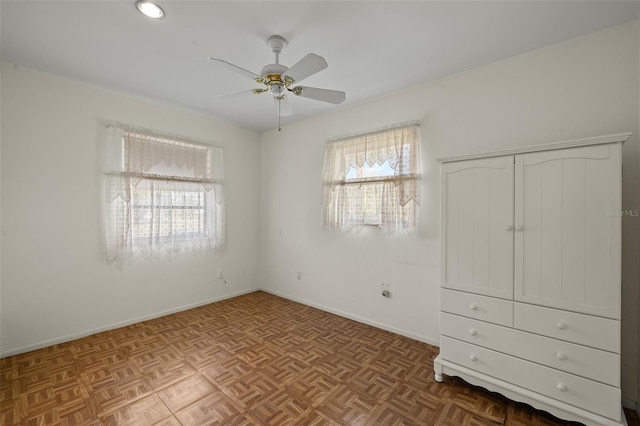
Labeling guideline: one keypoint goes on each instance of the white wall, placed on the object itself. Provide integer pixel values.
(634, 336)
(583, 87)
(55, 281)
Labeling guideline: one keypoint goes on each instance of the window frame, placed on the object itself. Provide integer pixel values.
(395, 146)
(187, 236)
(153, 173)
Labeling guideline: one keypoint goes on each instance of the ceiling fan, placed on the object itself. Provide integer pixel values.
(279, 80)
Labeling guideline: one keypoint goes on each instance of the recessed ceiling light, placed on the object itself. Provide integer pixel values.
(150, 9)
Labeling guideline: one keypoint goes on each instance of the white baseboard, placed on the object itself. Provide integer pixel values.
(119, 324)
(357, 318)
(130, 321)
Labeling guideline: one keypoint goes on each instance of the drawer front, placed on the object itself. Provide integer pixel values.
(580, 360)
(498, 311)
(601, 333)
(587, 394)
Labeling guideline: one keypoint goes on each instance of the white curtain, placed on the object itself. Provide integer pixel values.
(164, 195)
(373, 179)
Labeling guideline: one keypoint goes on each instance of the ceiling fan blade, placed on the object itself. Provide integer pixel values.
(284, 105)
(325, 95)
(233, 93)
(306, 67)
(236, 68)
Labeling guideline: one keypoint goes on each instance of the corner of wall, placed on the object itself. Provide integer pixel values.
(0, 198)
(637, 401)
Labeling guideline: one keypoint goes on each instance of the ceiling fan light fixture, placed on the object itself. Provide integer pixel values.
(276, 89)
(150, 9)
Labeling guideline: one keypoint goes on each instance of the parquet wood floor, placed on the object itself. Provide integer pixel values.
(253, 360)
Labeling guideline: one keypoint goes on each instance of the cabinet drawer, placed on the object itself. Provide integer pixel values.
(580, 360)
(597, 332)
(587, 394)
(498, 311)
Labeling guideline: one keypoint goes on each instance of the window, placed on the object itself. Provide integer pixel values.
(164, 195)
(178, 215)
(372, 179)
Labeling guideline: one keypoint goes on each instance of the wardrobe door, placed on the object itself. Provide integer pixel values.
(477, 226)
(567, 239)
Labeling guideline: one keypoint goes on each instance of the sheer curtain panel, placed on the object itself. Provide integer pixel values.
(373, 179)
(164, 195)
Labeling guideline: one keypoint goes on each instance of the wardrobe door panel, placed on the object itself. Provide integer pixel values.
(565, 242)
(477, 216)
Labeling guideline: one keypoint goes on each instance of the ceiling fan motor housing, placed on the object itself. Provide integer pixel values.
(272, 77)
(273, 70)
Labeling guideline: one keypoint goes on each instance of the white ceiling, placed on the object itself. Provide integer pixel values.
(372, 48)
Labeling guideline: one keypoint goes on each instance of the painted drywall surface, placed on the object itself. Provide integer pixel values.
(55, 280)
(0, 211)
(633, 334)
(583, 87)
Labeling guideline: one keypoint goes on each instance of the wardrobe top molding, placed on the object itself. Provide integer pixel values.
(597, 140)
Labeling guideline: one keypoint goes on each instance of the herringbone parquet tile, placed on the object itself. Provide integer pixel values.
(253, 360)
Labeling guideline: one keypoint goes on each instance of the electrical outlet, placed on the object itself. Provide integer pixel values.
(385, 290)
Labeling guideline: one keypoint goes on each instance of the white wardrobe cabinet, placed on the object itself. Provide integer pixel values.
(530, 275)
